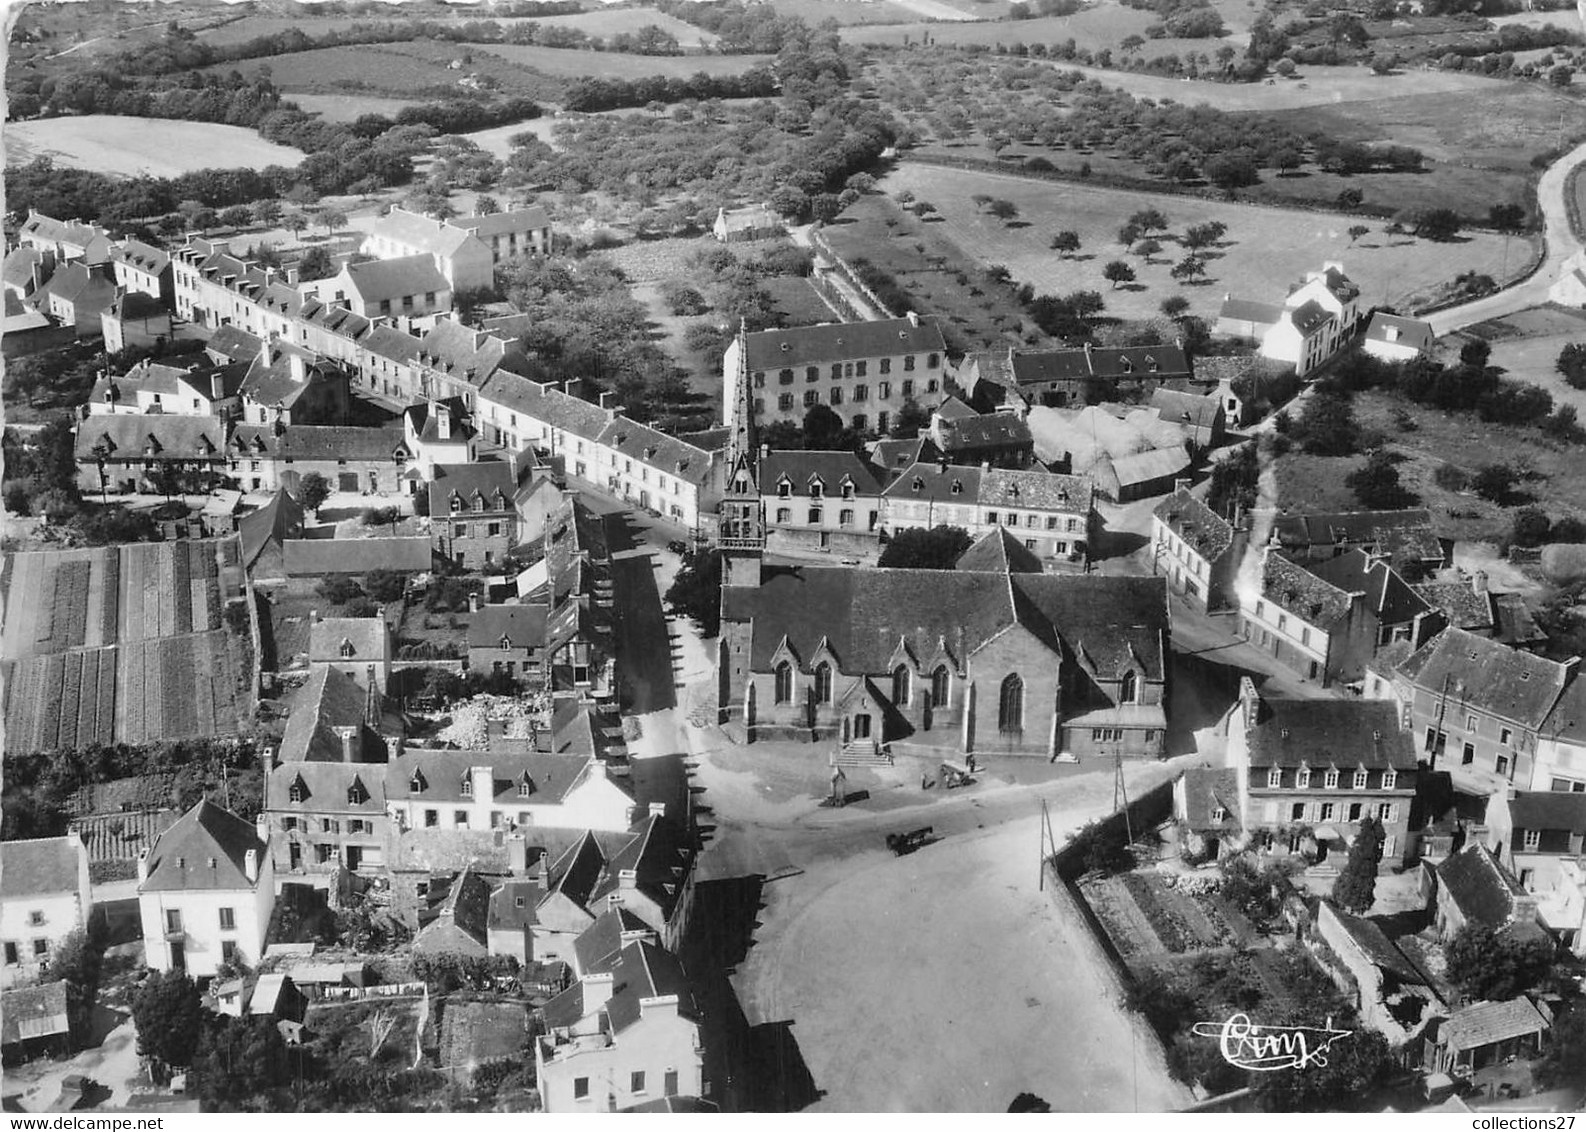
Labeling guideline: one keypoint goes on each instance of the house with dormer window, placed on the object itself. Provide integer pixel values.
(1317, 768)
(358, 647)
(823, 501)
(125, 453)
(1197, 550)
(510, 640)
(472, 512)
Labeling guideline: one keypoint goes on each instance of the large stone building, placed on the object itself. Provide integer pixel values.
(44, 897)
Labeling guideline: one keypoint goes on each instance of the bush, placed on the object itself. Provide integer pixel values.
(1450, 477)
(1572, 364)
(338, 590)
(1327, 425)
(1495, 483)
(683, 300)
(1531, 527)
(385, 585)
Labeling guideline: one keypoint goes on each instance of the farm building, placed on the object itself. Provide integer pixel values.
(264, 533)
(752, 222)
(312, 557)
(352, 459)
(44, 896)
(34, 1022)
(1074, 378)
(1203, 419)
(1486, 1033)
(1124, 479)
(1393, 996)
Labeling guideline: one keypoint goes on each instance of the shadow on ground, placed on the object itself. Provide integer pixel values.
(753, 1068)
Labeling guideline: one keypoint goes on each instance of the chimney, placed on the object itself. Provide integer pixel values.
(542, 870)
(628, 880)
(484, 780)
(1478, 582)
(349, 743)
(597, 991)
(268, 759)
(393, 747)
(473, 603)
(1181, 485)
(765, 451)
(250, 866)
(143, 865)
(941, 466)
(299, 367)
(261, 828)
(985, 465)
(658, 809)
(597, 769)
(1249, 701)
(518, 854)
(443, 420)
(914, 318)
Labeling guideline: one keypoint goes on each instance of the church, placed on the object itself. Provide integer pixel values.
(993, 657)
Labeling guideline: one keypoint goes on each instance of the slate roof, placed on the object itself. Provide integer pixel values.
(750, 217)
(840, 341)
(576, 872)
(1292, 587)
(441, 775)
(1206, 532)
(234, 343)
(40, 1011)
(524, 625)
(862, 614)
(1378, 948)
(271, 383)
(426, 424)
(1487, 675)
(800, 467)
(657, 449)
(42, 866)
(544, 403)
(462, 352)
(1412, 331)
(463, 904)
(1462, 605)
(381, 280)
(1567, 720)
(369, 637)
(68, 232)
(1404, 534)
(1310, 316)
(311, 556)
(599, 945)
(1487, 1022)
(513, 904)
(1034, 489)
(335, 319)
(998, 552)
(893, 457)
(1099, 363)
(993, 430)
(389, 342)
(662, 778)
(1393, 599)
(643, 971)
(328, 788)
(1248, 310)
(19, 265)
(143, 257)
(1147, 467)
(319, 442)
(82, 286)
(1190, 410)
(330, 699)
(132, 306)
(278, 520)
(1330, 733)
(1207, 788)
(175, 437)
(491, 479)
(501, 223)
(180, 860)
(1548, 809)
(433, 237)
(1481, 887)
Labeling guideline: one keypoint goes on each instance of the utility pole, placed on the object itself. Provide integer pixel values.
(1120, 791)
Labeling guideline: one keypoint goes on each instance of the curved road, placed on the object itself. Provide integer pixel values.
(1562, 243)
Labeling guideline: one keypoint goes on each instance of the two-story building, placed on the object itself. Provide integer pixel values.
(1478, 708)
(409, 287)
(289, 385)
(1535, 834)
(964, 436)
(68, 240)
(457, 252)
(44, 897)
(144, 269)
(122, 453)
(193, 388)
(817, 500)
(373, 461)
(1394, 338)
(438, 433)
(357, 647)
(205, 893)
(1321, 767)
(1197, 550)
(1089, 375)
(512, 640)
(516, 232)
(134, 319)
(1407, 538)
(1314, 322)
(499, 790)
(863, 371)
(472, 512)
(1051, 515)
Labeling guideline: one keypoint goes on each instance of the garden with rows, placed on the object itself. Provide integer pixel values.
(126, 644)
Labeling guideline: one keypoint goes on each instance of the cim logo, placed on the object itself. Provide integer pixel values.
(1266, 1048)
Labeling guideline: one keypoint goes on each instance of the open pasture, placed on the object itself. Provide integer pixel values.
(847, 12)
(607, 22)
(570, 64)
(129, 147)
(351, 107)
(1265, 249)
(419, 70)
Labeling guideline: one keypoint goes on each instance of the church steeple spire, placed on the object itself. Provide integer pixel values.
(741, 535)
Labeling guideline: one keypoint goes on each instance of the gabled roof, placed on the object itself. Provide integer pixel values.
(800, 467)
(131, 436)
(523, 625)
(1412, 332)
(1312, 599)
(577, 871)
(513, 904)
(1206, 532)
(441, 776)
(19, 264)
(271, 383)
(329, 700)
(348, 639)
(1147, 467)
(319, 442)
(33, 1012)
(993, 430)
(1492, 677)
(530, 219)
(667, 453)
(466, 354)
(998, 552)
(328, 787)
(383, 280)
(71, 233)
(1393, 599)
(43, 866)
(1343, 734)
(1378, 948)
(87, 288)
(1309, 317)
(1460, 603)
(645, 971)
(129, 306)
(234, 343)
(1481, 887)
(841, 341)
(181, 858)
(1406, 535)
(143, 257)
(462, 904)
(1485, 1023)
(1092, 363)
(599, 945)
(1191, 410)
(1567, 719)
(424, 421)
(1548, 809)
(491, 480)
(1249, 310)
(314, 556)
(415, 230)
(1206, 790)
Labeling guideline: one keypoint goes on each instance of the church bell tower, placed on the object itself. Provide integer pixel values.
(741, 534)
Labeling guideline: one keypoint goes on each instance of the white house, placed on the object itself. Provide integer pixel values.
(1396, 339)
(455, 250)
(620, 1038)
(1315, 321)
(44, 894)
(484, 790)
(205, 892)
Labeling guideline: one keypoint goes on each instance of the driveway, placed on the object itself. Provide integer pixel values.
(1561, 243)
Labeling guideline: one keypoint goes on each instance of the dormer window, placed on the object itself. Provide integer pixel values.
(457, 502)
(506, 642)
(346, 647)
(1303, 778)
(417, 784)
(468, 787)
(357, 795)
(1274, 777)
(479, 503)
(525, 785)
(1389, 778)
(1330, 779)
(817, 489)
(848, 489)
(1360, 779)
(957, 488)
(919, 484)
(784, 489)
(1219, 814)
(299, 790)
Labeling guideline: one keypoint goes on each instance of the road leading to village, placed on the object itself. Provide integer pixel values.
(1561, 244)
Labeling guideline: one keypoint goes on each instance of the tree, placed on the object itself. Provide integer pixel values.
(981, 201)
(385, 585)
(296, 222)
(1188, 269)
(332, 218)
(1376, 484)
(1572, 364)
(1355, 1066)
(75, 961)
(1356, 231)
(266, 213)
(1145, 249)
(1437, 224)
(1231, 171)
(312, 491)
(1495, 483)
(1118, 272)
(909, 420)
(1326, 427)
(1355, 890)
(1131, 43)
(1531, 527)
(1149, 220)
(169, 1018)
(316, 263)
(938, 548)
(1175, 306)
(1003, 210)
(1475, 353)
(1566, 1050)
(1562, 75)
(1507, 218)
(237, 216)
(486, 206)
(1128, 234)
(383, 517)
(695, 591)
(1488, 964)
(243, 1064)
(1066, 243)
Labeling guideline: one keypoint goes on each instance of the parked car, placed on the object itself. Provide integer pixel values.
(677, 546)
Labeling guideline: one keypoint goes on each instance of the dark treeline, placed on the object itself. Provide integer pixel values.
(741, 29)
(589, 95)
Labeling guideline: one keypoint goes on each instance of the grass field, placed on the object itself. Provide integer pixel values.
(416, 70)
(847, 12)
(350, 107)
(570, 64)
(607, 22)
(1265, 250)
(127, 147)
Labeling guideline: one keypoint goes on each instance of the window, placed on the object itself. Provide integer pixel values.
(1051, 522)
(991, 517)
(908, 363)
(1502, 766)
(784, 683)
(908, 388)
(1261, 609)
(173, 919)
(1128, 689)
(932, 361)
(823, 683)
(812, 398)
(1327, 811)
(1389, 778)
(1010, 705)
(837, 370)
(468, 787)
(845, 517)
(1013, 518)
(1330, 779)
(816, 516)
(1297, 811)
(939, 686)
(1303, 778)
(1274, 777)
(784, 514)
(1305, 636)
(1354, 811)
(432, 819)
(900, 686)
(1505, 736)
(1467, 755)
(35, 918)
(837, 395)
(1389, 845)
(580, 1088)
(785, 377)
(886, 367)
(1387, 811)
(1533, 839)
(1283, 622)
(460, 819)
(1470, 723)
(1360, 779)
(12, 956)
(811, 373)
(859, 368)
(228, 920)
(1219, 814)
(784, 402)
(636, 1081)
(884, 391)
